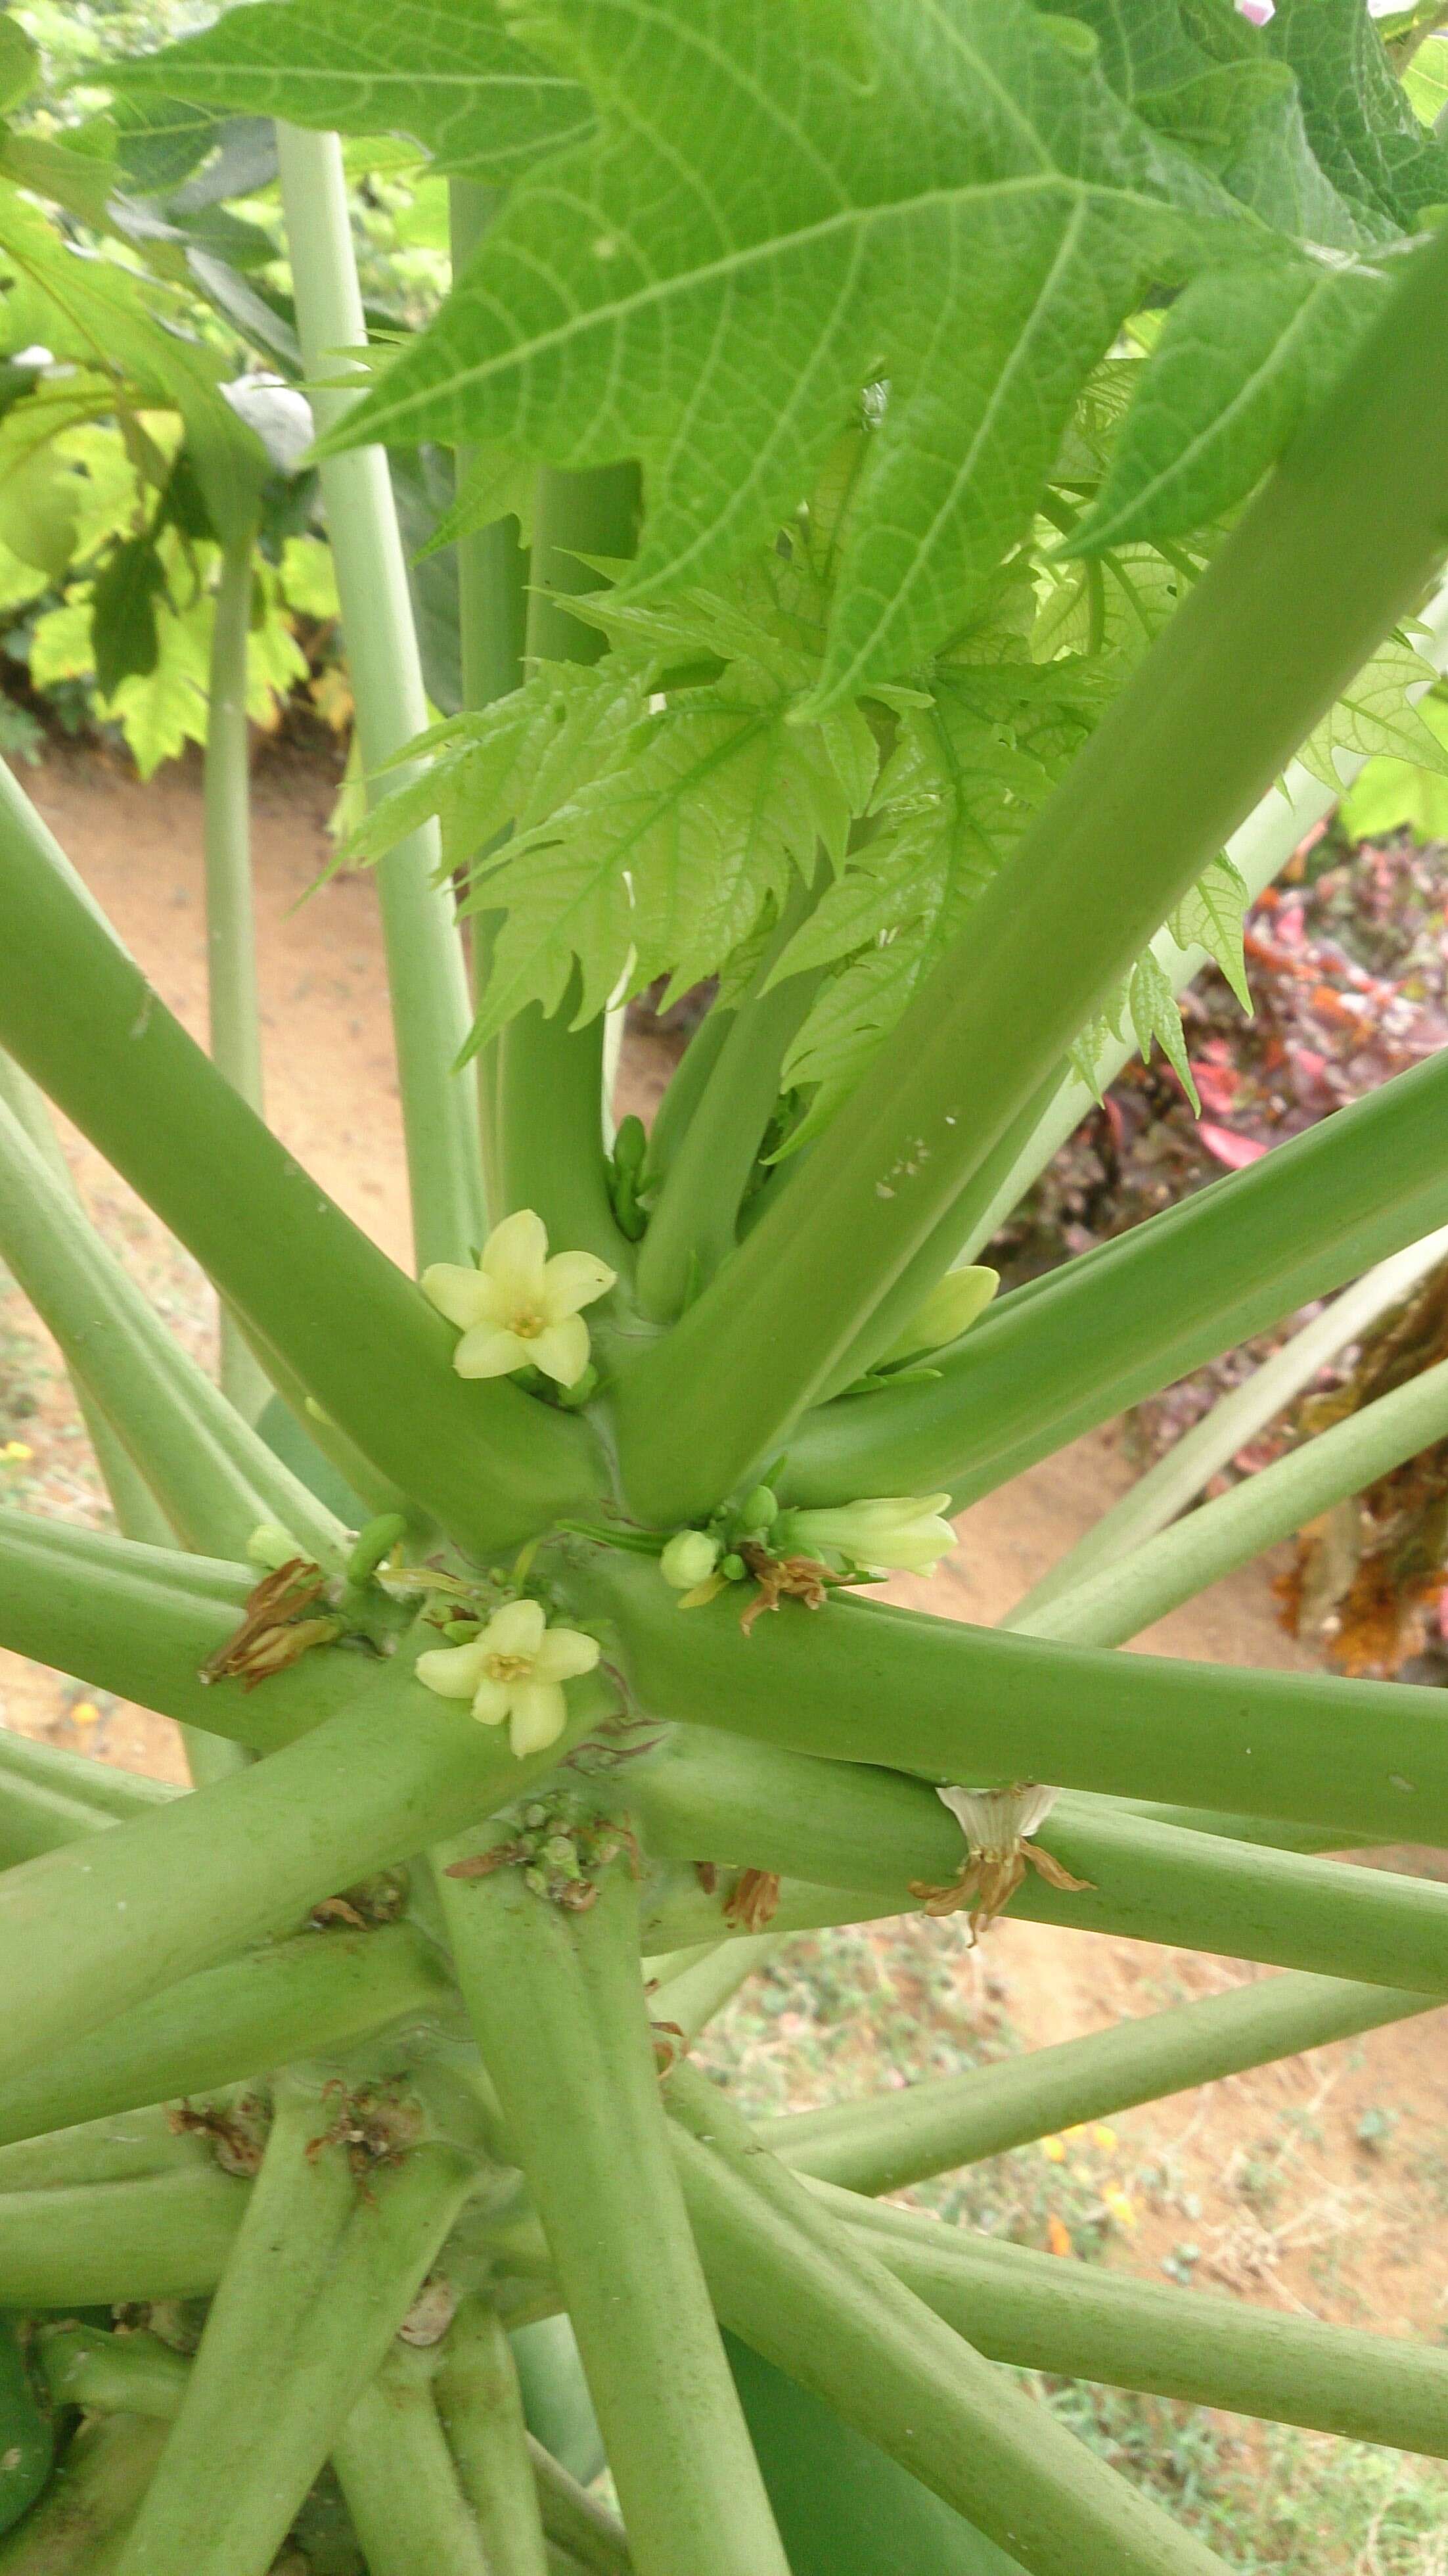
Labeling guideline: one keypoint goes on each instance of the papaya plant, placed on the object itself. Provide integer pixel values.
(946, 491)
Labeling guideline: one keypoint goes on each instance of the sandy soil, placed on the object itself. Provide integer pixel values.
(1266, 2174)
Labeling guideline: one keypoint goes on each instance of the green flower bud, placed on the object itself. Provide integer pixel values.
(758, 1512)
(950, 1309)
(890, 1533)
(733, 1568)
(273, 1547)
(689, 1558)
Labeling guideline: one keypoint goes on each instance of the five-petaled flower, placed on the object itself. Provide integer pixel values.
(518, 1309)
(514, 1669)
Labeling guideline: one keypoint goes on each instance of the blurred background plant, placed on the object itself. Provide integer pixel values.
(142, 284)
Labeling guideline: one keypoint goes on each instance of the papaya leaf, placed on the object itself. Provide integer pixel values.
(1206, 426)
(1377, 714)
(1361, 126)
(756, 235)
(101, 313)
(123, 613)
(446, 72)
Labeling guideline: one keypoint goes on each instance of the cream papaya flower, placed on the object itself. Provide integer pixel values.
(888, 1534)
(514, 1672)
(519, 1309)
(998, 1825)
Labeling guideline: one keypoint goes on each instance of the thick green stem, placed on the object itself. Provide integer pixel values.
(1079, 1346)
(480, 2405)
(107, 2374)
(142, 1622)
(112, 2150)
(407, 2506)
(894, 2139)
(213, 1478)
(588, 2535)
(1338, 544)
(1040, 2313)
(692, 1075)
(812, 2296)
(1108, 1607)
(76, 2527)
(1258, 851)
(558, 2008)
(318, 2283)
(230, 910)
(138, 1514)
(550, 1076)
(976, 1706)
(288, 1999)
(845, 1826)
(689, 2000)
(692, 1227)
(161, 2236)
(492, 622)
(1156, 1499)
(486, 1461)
(99, 1925)
(425, 970)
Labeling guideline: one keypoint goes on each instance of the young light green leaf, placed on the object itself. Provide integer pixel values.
(1155, 1016)
(19, 64)
(1362, 128)
(444, 71)
(1377, 714)
(756, 235)
(663, 862)
(1241, 359)
(1425, 82)
(1211, 917)
(509, 763)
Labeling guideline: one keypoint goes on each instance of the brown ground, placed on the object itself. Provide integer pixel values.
(1265, 2174)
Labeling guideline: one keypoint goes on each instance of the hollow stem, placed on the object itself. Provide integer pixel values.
(1039, 2313)
(814, 2299)
(575, 2523)
(1122, 1599)
(894, 2139)
(403, 2493)
(1178, 760)
(213, 1478)
(839, 1825)
(78, 2521)
(230, 908)
(558, 2009)
(1259, 850)
(492, 620)
(138, 1514)
(317, 2285)
(1166, 1489)
(289, 1999)
(108, 2374)
(99, 1925)
(977, 1706)
(480, 2406)
(486, 1461)
(164, 2235)
(1079, 1346)
(425, 971)
(692, 1227)
(550, 1076)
